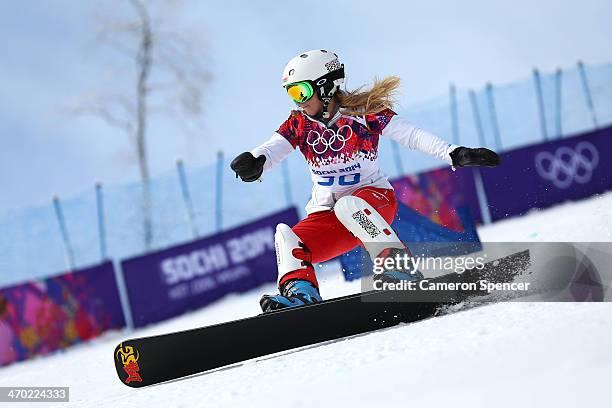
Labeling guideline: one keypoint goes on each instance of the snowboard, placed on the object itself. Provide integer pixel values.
(151, 360)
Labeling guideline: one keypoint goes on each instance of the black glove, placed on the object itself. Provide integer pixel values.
(247, 167)
(465, 156)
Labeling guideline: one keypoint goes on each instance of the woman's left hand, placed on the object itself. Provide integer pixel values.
(466, 156)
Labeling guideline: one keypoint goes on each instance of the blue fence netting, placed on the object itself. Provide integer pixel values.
(31, 242)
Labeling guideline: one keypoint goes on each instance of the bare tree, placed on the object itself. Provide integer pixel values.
(170, 77)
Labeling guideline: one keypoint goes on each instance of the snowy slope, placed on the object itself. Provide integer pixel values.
(511, 354)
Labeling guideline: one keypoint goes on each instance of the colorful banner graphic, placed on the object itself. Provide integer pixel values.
(170, 282)
(39, 317)
(436, 195)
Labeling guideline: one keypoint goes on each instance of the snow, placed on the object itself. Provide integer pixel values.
(582, 221)
(509, 354)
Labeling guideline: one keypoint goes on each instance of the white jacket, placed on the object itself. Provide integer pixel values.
(342, 156)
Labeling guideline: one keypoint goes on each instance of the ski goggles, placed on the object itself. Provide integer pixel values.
(300, 92)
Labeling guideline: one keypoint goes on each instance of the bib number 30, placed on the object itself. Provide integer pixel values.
(344, 180)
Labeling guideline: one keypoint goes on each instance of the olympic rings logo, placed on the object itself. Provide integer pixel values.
(334, 142)
(568, 165)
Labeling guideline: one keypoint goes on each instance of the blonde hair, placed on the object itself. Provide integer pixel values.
(380, 96)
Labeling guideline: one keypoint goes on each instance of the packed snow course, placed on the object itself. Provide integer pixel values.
(508, 354)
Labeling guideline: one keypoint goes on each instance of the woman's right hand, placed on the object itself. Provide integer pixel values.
(247, 167)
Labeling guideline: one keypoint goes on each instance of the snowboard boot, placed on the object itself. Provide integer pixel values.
(395, 275)
(294, 292)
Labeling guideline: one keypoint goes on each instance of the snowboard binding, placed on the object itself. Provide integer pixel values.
(294, 292)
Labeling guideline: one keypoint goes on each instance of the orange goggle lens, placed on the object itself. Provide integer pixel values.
(300, 91)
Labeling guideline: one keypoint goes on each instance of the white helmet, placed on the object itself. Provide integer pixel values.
(319, 67)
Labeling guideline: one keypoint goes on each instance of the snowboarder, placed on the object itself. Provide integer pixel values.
(352, 201)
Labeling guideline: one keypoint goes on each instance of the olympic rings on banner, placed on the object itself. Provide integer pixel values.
(568, 165)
